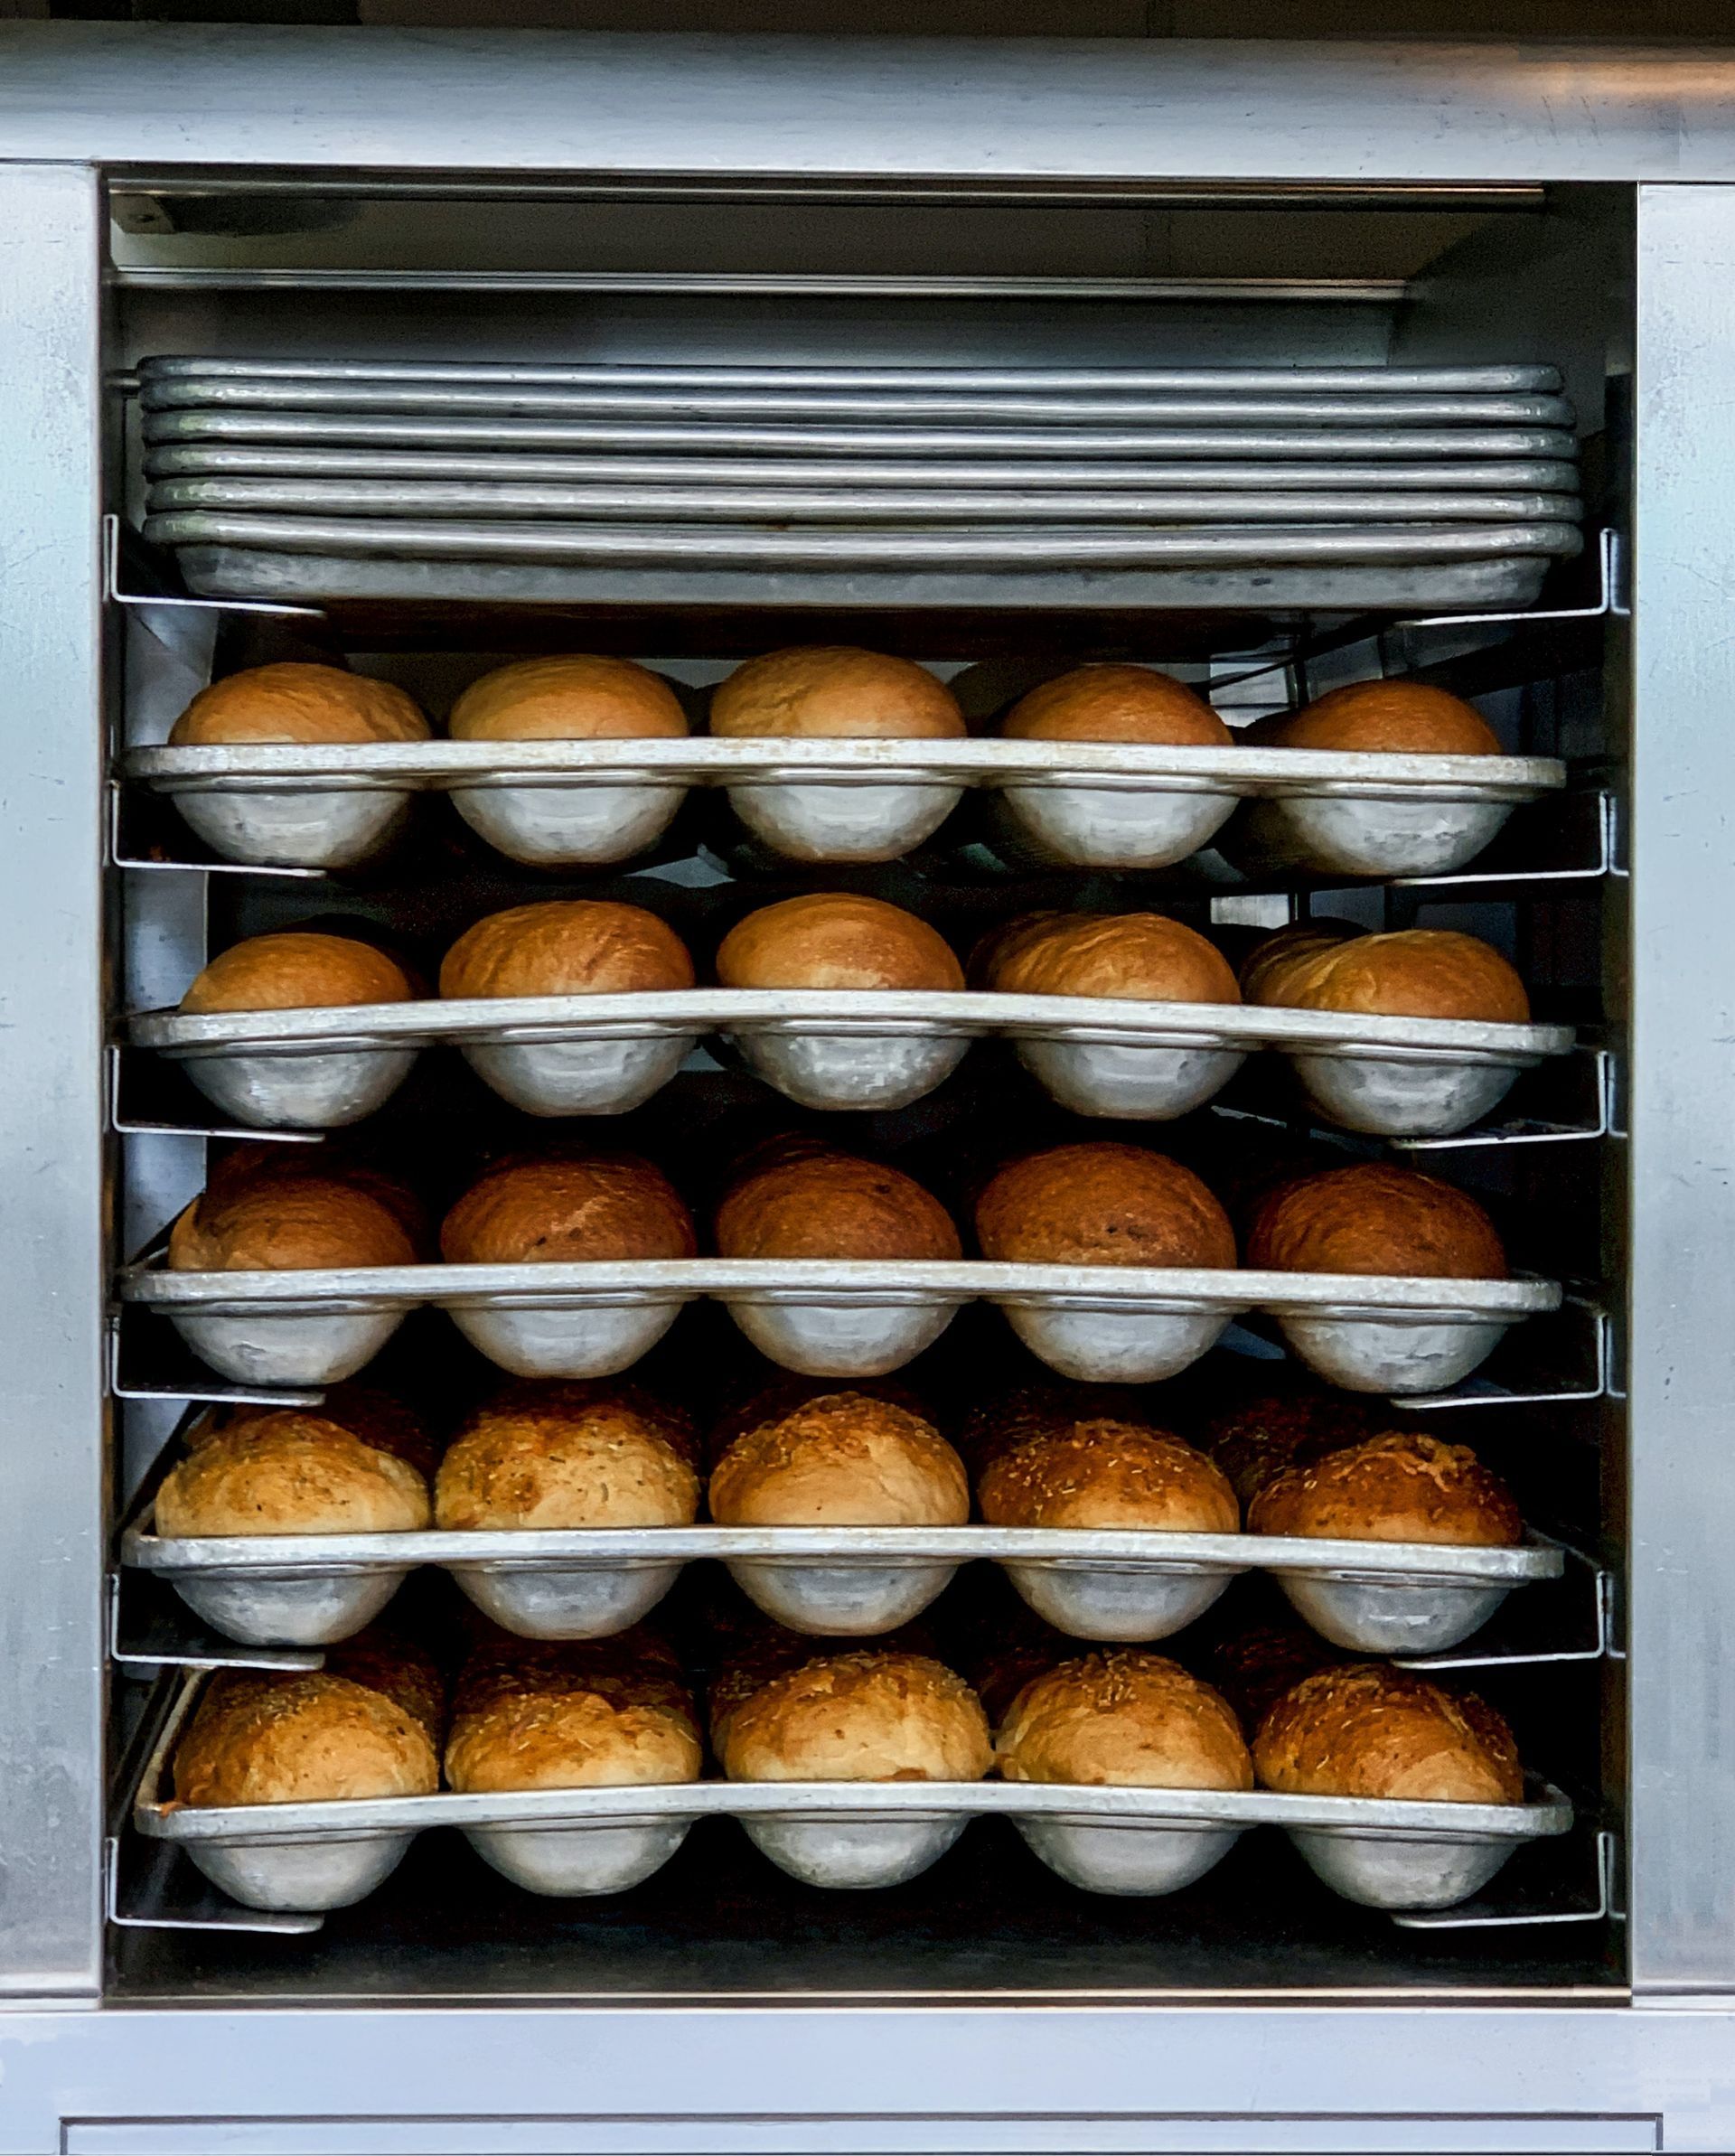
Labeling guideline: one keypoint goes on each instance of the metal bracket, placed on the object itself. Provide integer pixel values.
(1610, 602)
(169, 1639)
(125, 1127)
(1606, 863)
(118, 858)
(1603, 1647)
(112, 590)
(1485, 1395)
(1470, 1917)
(207, 1385)
(1527, 1132)
(202, 1909)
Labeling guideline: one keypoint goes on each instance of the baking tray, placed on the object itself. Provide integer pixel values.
(847, 1836)
(825, 1317)
(313, 1590)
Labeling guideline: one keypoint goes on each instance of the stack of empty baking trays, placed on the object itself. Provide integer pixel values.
(1311, 488)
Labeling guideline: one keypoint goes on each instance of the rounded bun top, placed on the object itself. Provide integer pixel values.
(296, 969)
(1401, 1486)
(833, 1205)
(1408, 973)
(835, 940)
(258, 1215)
(1102, 1205)
(873, 1715)
(1099, 1472)
(295, 702)
(1265, 1434)
(568, 1714)
(1372, 1218)
(1398, 717)
(830, 690)
(291, 1473)
(567, 1209)
(1362, 1729)
(579, 697)
(1123, 1717)
(566, 947)
(1105, 702)
(380, 1419)
(556, 1456)
(1143, 957)
(1268, 968)
(842, 1460)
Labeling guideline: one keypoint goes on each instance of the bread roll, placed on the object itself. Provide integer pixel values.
(1372, 1218)
(1098, 1472)
(1401, 1486)
(844, 1460)
(569, 1715)
(378, 1418)
(1122, 1718)
(291, 1473)
(1141, 957)
(833, 940)
(263, 1218)
(1277, 959)
(1102, 702)
(568, 1210)
(579, 697)
(566, 947)
(296, 971)
(872, 1715)
(1102, 1205)
(294, 701)
(833, 1205)
(830, 690)
(1362, 1729)
(1411, 973)
(1402, 718)
(1264, 1656)
(549, 1456)
(1265, 1434)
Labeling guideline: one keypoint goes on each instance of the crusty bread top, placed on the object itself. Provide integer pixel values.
(833, 1205)
(1107, 702)
(564, 1456)
(1402, 718)
(835, 940)
(1102, 1205)
(579, 697)
(291, 1223)
(835, 690)
(567, 1209)
(843, 1459)
(1401, 1486)
(377, 1417)
(1100, 1473)
(1144, 957)
(1262, 1437)
(1275, 960)
(566, 947)
(1372, 1218)
(569, 1715)
(291, 1473)
(296, 971)
(1362, 1729)
(1410, 973)
(1123, 1717)
(872, 1715)
(296, 702)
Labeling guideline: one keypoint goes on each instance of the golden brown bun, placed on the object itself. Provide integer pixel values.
(833, 1205)
(567, 1211)
(872, 1715)
(1364, 1728)
(580, 696)
(833, 940)
(1372, 1218)
(1102, 1205)
(1403, 717)
(1410, 973)
(566, 947)
(1145, 957)
(1098, 1472)
(1276, 959)
(1401, 1486)
(291, 1473)
(1262, 1437)
(292, 1220)
(555, 1455)
(296, 971)
(844, 1460)
(1116, 703)
(377, 1417)
(835, 690)
(294, 701)
(1123, 1718)
(569, 1715)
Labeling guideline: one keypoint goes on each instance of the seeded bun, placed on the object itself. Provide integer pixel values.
(568, 1210)
(1098, 1472)
(1263, 1435)
(1102, 1205)
(833, 1205)
(873, 1715)
(378, 1418)
(1143, 957)
(1410, 973)
(844, 1460)
(566, 947)
(255, 1216)
(1362, 1729)
(1376, 1219)
(1122, 1718)
(580, 696)
(569, 1715)
(291, 1473)
(834, 940)
(834, 690)
(557, 1456)
(1116, 703)
(296, 971)
(1400, 718)
(294, 701)
(1401, 1486)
